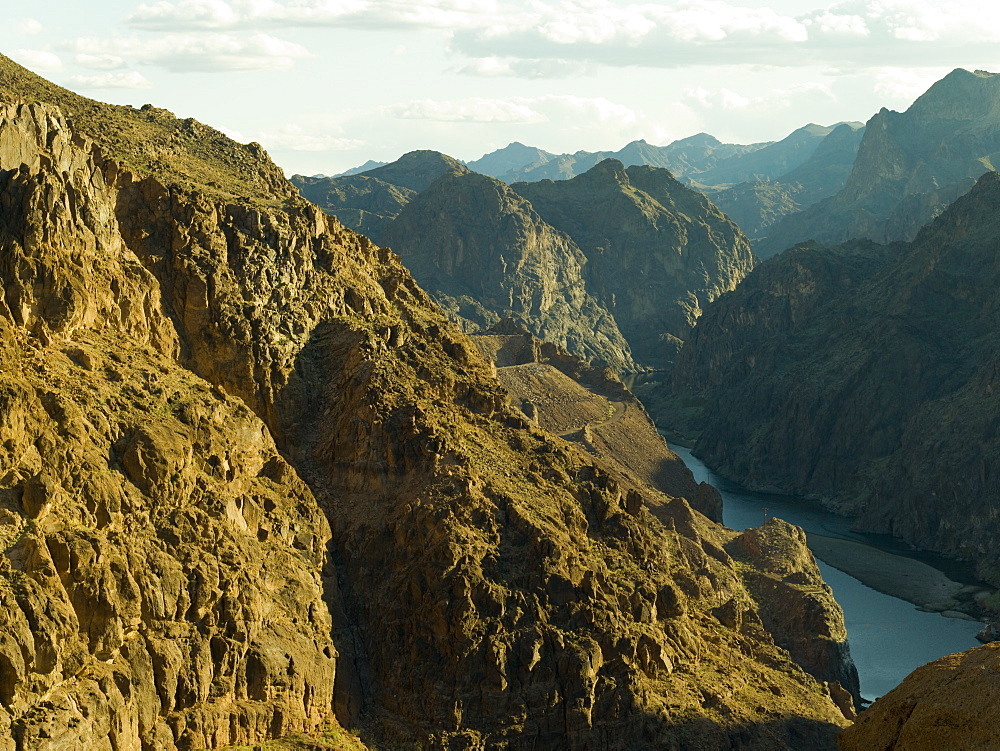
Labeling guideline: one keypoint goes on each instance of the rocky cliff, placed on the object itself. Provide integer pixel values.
(862, 375)
(610, 261)
(909, 167)
(253, 479)
(591, 407)
(657, 252)
(944, 704)
(161, 568)
(484, 253)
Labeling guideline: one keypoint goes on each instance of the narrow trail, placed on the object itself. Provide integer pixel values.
(620, 409)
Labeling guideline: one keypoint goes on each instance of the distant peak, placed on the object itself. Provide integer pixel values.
(700, 139)
(604, 169)
(960, 95)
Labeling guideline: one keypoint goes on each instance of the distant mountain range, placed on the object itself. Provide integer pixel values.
(757, 184)
(615, 265)
(909, 166)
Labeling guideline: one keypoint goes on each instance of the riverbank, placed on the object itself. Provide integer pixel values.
(896, 575)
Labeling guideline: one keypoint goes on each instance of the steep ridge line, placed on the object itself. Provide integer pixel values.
(535, 599)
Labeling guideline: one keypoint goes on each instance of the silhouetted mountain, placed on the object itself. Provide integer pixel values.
(510, 159)
(909, 166)
(657, 251)
(758, 204)
(864, 375)
(370, 164)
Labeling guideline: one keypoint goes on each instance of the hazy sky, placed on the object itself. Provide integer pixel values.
(327, 84)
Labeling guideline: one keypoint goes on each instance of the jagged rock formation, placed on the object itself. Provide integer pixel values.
(797, 606)
(657, 252)
(189, 375)
(615, 262)
(484, 253)
(559, 392)
(160, 576)
(862, 375)
(757, 205)
(909, 167)
(948, 703)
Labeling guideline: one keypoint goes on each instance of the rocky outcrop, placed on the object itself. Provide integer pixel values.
(797, 606)
(160, 575)
(948, 703)
(189, 378)
(657, 252)
(592, 407)
(484, 253)
(909, 167)
(861, 375)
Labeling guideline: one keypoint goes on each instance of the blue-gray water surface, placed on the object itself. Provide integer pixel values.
(889, 637)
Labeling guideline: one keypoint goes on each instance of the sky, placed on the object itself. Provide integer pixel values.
(326, 85)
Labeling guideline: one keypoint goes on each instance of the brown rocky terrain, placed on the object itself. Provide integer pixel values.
(161, 574)
(254, 482)
(862, 375)
(591, 407)
(594, 409)
(949, 703)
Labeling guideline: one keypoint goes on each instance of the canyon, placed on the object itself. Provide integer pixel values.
(255, 484)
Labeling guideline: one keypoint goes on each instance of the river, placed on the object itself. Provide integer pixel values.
(889, 637)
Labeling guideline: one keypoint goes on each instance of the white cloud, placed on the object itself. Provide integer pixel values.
(99, 61)
(540, 39)
(774, 99)
(296, 138)
(475, 110)
(722, 98)
(716, 33)
(826, 23)
(28, 26)
(198, 52)
(129, 80)
(187, 15)
(492, 67)
(39, 61)
(518, 110)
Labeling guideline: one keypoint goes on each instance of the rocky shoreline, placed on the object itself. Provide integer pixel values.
(906, 578)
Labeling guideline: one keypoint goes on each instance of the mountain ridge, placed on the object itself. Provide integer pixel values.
(281, 490)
